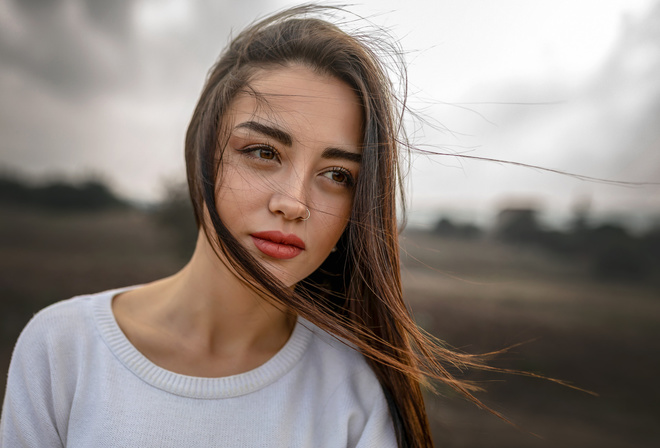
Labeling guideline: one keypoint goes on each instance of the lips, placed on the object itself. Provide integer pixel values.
(277, 244)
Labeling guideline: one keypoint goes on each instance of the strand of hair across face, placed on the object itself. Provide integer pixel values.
(356, 294)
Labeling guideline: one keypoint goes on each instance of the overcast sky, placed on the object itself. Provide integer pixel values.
(108, 87)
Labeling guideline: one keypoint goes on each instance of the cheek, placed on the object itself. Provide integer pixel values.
(242, 185)
(337, 209)
(230, 182)
(332, 222)
(237, 186)
(234, 196)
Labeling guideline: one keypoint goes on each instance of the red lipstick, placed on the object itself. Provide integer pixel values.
(277, 244)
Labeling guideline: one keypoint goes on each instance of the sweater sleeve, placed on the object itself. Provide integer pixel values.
(28, 413)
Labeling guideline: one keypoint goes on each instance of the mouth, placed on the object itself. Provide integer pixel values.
(277, 244)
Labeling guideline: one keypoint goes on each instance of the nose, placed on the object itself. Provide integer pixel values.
(290, 207)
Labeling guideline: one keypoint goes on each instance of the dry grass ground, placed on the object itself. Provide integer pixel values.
(476, 295)
(604, 337)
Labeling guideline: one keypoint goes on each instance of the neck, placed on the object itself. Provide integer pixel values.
(208, 305)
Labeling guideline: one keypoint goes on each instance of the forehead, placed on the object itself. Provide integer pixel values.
(303, 102)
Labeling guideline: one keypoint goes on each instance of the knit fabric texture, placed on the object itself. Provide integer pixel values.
(75, 380)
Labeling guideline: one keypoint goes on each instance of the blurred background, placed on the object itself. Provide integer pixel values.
(96, 98)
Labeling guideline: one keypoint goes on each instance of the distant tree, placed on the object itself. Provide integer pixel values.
(613, 252)
(444, 227)
(59, 195)
(650, 244)
(14, 191)
(518, 225)
(617, 254)
(580, 220)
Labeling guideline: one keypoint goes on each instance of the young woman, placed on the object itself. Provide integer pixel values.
(287, 327)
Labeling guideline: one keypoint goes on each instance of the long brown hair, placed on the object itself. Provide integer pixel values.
(356, 294)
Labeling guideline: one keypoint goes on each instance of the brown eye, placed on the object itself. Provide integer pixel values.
(261, 152)
(266, 153)
(338, 176)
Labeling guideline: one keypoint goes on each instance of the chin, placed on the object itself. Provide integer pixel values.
(287, 278)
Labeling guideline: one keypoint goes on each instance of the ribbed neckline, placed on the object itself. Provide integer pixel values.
(191, 386)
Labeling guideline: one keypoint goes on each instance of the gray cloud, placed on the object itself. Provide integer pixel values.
(73, 46)
(90, 85)
(86, 85)
(604, 126)
(628, 91)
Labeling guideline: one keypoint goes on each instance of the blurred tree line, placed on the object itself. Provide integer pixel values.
(58, 195)
(610, 248)
(174, 213)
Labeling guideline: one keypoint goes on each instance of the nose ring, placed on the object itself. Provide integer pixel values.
(308, 215)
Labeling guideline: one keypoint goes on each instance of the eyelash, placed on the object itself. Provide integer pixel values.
(350, 180)
(250, 150)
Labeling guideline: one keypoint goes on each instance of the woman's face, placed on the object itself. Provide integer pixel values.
(294, 145)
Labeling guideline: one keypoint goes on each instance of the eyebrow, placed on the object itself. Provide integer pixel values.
(286, 139)
(337, 153)
(269, 131)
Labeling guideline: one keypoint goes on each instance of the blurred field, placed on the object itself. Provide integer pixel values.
(477, 295)
(604, 337)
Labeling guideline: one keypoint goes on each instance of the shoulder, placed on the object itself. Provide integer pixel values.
(61, 328)
(43, 372)
(59, 320)
(60, 312)
(56, 345)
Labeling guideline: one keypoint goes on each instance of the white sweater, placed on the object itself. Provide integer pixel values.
(75, 380)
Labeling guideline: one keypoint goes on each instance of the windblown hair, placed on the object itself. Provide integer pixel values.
(356, 294)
